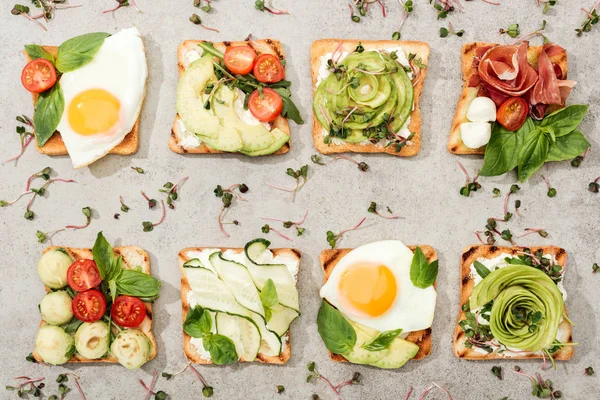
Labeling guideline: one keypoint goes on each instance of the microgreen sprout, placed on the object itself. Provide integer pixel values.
(444, 7)
(363, 166)
(150, 387)
(266, 229)
(76, 382)
(533, 34)
(512, 30)
(20, 9)
(314, 375)
(29, 215)
(507, 235)
(332, 238)
(547, 4)
(445, 32)
(594, 186)
(25, 136)
(260, 6)
(576, 162)
(300, 175)
(124, 207)
(27, 386)
(151, 202)
(227, 196)
(196, 20)
(541, 388)
(169, 376)
(138, 170)
(429, 389)
(279, 389)
(469, 186)
(87, 212)
(592, 19)
(528, 231)
(207, 391)
(123, 3)
(497, 371)
(116, 216)
(551, 190)
(589, 371)
(595, 267)
(496, 193)
(206, 8)
(288, 224)
(373, 209)
(407, 8)
(517, 206)
(43, 236)
(149, 226)
(172, 191)
(47, 6)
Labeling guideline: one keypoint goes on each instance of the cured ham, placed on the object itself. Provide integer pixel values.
(550, 89)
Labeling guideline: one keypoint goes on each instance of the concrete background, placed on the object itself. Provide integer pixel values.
(423, 189)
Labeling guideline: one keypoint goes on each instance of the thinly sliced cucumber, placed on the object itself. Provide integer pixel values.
(193, 263)
(255, 248)
(211, 292)
(270, 342)
(244, 334)
(238, 280)
(281, 319)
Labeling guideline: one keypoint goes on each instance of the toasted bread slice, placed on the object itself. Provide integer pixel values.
(132, 257)
(190, 350)
(329, 259)
(469, 50)
(321, 47)
(470, 255)
(55, 145)
(264, 46)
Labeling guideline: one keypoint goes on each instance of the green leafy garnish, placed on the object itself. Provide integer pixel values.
(382, 341)
(79, 51)
(422, 273)
(337, 333)
(481, 269)
(49, 108)
(269, 298)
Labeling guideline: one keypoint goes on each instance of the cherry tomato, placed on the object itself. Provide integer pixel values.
(83, 274)
(38, 75)
(512, 113)
(128, 311)
(89, 306)
(240, 59)
(267, 108)
(268, 69)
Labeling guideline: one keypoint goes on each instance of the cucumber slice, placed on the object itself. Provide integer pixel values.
(212, 293)
(239, 282)
(193, 263)
(281, 319)
(270, 343)
(255, 248)
(244, 334)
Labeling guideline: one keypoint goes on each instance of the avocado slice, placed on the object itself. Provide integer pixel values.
(279, 139)
(399, 352)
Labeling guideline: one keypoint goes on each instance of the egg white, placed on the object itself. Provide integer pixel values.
(120, 68)
(413, 308)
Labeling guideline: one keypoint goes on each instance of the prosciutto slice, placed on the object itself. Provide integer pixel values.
(550, 89)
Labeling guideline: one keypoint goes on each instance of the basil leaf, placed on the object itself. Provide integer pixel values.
(289, 110)
(78, 51)
(568, 146)
(72, 326)
(49, 108)
(533, 154)
(105, 258)
(566, 120)
(337, 333)
(198, 322)
(502, 151)
(112, 286)
(382, 341)
(422, 274)
(138, 284)
(35, 51)
(268, 296)
(209, 48)
(221, 349)
(481, 269)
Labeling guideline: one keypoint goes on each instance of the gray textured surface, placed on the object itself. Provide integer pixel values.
(424, 190)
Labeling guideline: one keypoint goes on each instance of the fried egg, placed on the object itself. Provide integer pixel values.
(103, 98)
(371, 286)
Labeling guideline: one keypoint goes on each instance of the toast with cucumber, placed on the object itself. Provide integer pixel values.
(367, 94)
(512, 304)
(238, 304)
(232, 97)
(97, 307)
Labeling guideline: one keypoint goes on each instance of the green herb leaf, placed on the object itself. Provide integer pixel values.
(502, 151)
(78, 51)
(289, 110)
(138, 284)
(105, 258)
(72, 326)
(568, 146)
(209, 48)
(268, 296)
(481, 269)
(49, 108)
(198, 322)
(533, 154)
(35, 51)
(337, 333)
(566, 120)
(382, 341)
(221, 349)
(422, 274)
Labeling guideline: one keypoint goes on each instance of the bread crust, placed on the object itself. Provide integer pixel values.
(321, 47)
(329, 259)
(471, 254)
(264, 46)
(55, 145)
(468, 51)
(190, 350)
(132, 257)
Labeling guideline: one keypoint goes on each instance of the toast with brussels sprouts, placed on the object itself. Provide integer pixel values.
(244, 297)
(367, 94)
(421, 338)
(205, 129)
(543, 265)
(72, 272)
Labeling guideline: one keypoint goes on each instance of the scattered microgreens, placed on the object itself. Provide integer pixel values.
(533, 34)
(207, 391)
(30, 358)
(576, 162)
(362, 7)
(266, 229)
(287, 224)
(445, 32)
(406, 8)
(363, 166)
(551, 190)
(513, 30)
(332, 238)
(444, 7)
(27, 386)
(595, 268)
(206, 7)
(123, 3)
(429, 389)
(496, 192)
(196, 20)
(300, 175)
(497, 371)
(48, 7)
(116, 216)
(507, 235)
(279, 389)
(25, 137)
(589, 371)
(160, 395)
(541, 388)
(469, 186)
(151, 202)
(315, 375)
(260, 6)
(373, 209)
(547, 4)
(149, 226)
(87, 211)
(227, 196)
(172, 191)
(592, 19)
(517, 207)
(138, 170)
(124, 207)
(149, 388)
(594, 186)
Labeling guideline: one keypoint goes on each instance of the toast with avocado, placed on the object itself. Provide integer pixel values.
(76, 314)
(517, 284)
(232, 97)
(366, 95)
(238, 304)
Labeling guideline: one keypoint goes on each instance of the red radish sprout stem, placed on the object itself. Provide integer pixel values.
(29, 17)
(197, 374)
(547, 182)
(529, 231)
(280, 234)
(176, 186)
(338, 50)
(293, 223)
(162, 218)
(351, 229)
(78, 226)
(183, 369)
(425, 392)
(410, 390)
(464, 170)
(24, 145)
(76, 382)
(443, 390)
(329, 383)
(280, 188)
(383, 11)
(534, 258)
(348, 116)
(477, 233)
(45, 186)
(150, 388)
(491, 2)
(220, 219)
(345, 383)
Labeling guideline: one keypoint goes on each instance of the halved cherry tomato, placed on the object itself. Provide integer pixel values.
(268, 69)
(240, 59)
(128, 311)
(265, 108)
(83, 274)
(38, 75)
(512, 113)
(89, 306)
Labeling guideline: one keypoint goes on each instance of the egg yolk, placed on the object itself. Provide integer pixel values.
(93, 111)
(368, 289)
